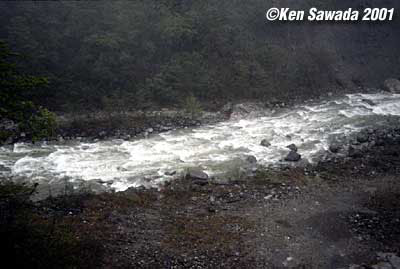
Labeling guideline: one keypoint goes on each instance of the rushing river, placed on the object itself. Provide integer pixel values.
(216, 148)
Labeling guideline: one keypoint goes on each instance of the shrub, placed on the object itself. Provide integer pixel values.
(39, 125)
(39, 237)
(192, 106)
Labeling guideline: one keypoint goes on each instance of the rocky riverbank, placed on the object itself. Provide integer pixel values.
(340, 213)
(368, 152)
(127, 126)
(134, 125)
(103, 125)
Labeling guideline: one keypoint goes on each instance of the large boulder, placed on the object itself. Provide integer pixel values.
(102, 134)
(227, 109)
(392, 85)
(293, 157)
(170, 173)
(265, 143)
(247, 110)
(362, 137)
(197, 177)
(292, 147)
(251, 159)
(196, 174)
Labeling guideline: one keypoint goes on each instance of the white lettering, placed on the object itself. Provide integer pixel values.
(291, 15)
(339, 15)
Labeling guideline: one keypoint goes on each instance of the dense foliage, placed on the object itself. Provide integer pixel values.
(158, 53)
(16, 94)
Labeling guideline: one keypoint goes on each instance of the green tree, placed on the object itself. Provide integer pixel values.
(15, 92)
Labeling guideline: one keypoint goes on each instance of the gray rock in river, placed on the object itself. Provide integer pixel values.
(292, 147)
(335, 148)
(392, 85)
(265, 143)
(293, 157)
(362, 137)
(227, 109)
(196, 174)
(102, 134)
(245, 110)
(60, 139)
(251, 159)
(126, 137)
(172, 173)
(369, 102)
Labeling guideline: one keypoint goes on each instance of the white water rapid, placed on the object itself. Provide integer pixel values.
(215, 148)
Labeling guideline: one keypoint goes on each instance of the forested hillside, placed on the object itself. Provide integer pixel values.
(142, 54)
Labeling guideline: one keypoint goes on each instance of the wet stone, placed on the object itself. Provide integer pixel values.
(265, 143)
(196, 175)
(293, 157)
(334, 148)
(362, 137)
(251, 159)
(368, 102)
(172, 173)
(292, 147)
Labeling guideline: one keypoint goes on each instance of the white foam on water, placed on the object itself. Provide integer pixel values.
(388, 108)
(214, 148)
(21, 148)
(29, 166)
